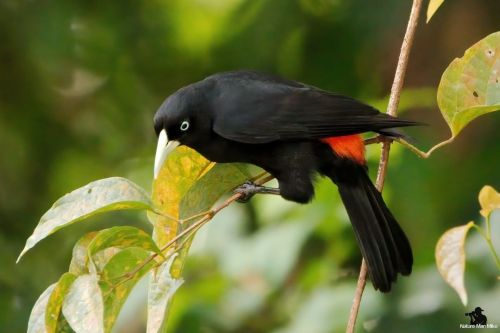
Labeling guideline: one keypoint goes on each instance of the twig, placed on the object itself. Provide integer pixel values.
(205, 217)
(392, 108)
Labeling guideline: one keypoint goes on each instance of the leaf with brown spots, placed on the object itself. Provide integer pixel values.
(470, 86)
(179, 172)
(116, 284)
(121, 237)
(54, 305)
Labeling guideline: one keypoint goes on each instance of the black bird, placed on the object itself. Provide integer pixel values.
(293, 131)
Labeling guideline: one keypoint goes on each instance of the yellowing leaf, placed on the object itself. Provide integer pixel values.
(121, 237)
(179, 172)
(489, 199)
(116, 285)
(53, 310)
(470, 86)
(432, 8)
(100, 196)
(450, 258)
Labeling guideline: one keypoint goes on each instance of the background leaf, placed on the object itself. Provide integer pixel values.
(103, 195)
(470, 86)
(83, 305)
(450, 258)
(432, 8)
(489, 199)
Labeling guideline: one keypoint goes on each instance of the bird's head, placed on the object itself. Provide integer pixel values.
(180, 120)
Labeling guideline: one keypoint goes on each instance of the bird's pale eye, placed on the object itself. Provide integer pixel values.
(184, 125)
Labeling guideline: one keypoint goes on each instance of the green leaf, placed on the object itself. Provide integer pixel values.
(162, 288)
(116, 284)
(36, 323)
(78, 265)
(450, 258)
(432, 8)
(121, 237)
(124, 262)
(470, 86)
(97, 197)
(489, 199)
(53, 309)
(83, 305)
(209, 188)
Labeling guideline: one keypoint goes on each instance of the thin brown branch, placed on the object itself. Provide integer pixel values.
(375, 139)
(392, 108)
(205, 217)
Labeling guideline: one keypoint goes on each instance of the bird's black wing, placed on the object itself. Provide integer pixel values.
(251, 107)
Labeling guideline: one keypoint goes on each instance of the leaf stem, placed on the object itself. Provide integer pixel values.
(494, 253)
(487, 237)
(421, 153)
(490, 242)
(392, 108)
(488, 227)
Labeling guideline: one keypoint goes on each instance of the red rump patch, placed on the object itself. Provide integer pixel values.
(350, 146)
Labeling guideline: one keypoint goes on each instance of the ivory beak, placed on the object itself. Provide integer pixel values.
(163, 149)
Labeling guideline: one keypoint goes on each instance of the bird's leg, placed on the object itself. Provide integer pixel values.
(375, 139)
(249, 189)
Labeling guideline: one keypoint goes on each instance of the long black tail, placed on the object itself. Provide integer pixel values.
(383, 243)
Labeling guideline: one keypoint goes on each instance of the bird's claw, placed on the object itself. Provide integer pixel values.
(247, 190)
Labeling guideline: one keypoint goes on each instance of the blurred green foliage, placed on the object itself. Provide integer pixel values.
(79, 84)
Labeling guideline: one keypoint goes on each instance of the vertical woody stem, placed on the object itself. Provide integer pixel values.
(392, 108)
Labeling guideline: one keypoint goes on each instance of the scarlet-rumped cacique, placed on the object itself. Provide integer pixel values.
(294, 131)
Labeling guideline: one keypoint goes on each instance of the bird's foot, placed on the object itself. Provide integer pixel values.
(248, 189)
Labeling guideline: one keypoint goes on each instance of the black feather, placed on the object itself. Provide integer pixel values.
(382, 242)
(258, 108)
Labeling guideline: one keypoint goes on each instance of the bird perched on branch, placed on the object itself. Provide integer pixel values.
(293, 131)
